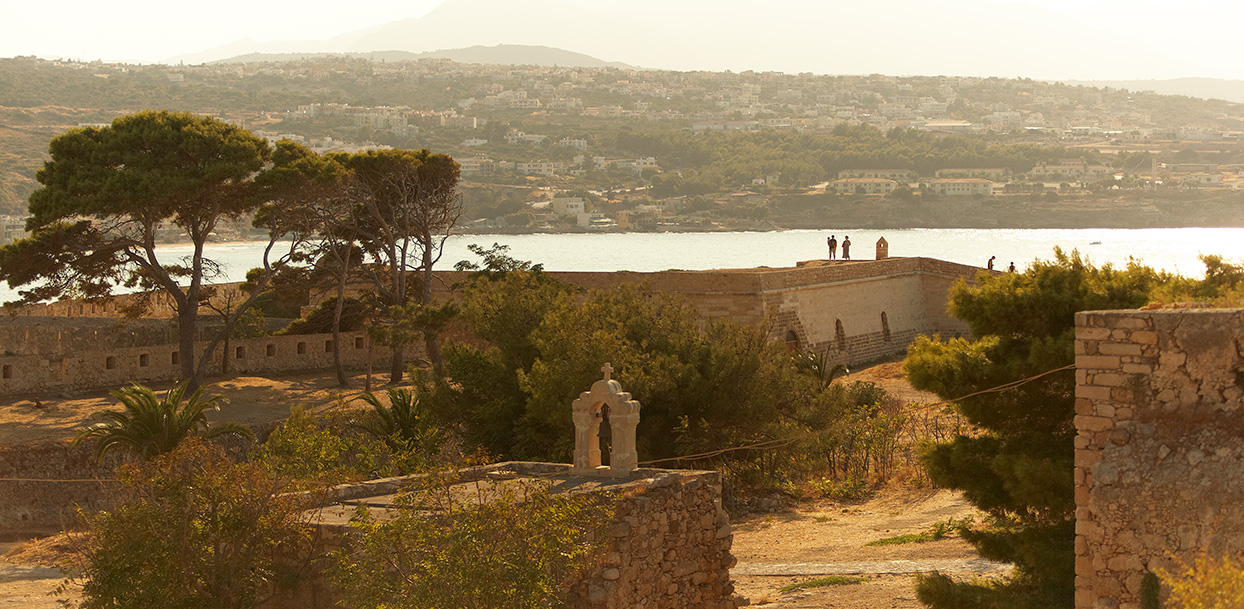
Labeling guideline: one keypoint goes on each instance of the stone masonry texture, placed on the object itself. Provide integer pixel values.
(1159, 450)
(668, 543)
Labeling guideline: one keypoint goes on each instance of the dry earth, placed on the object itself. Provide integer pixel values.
(773, 550)
(253, 401)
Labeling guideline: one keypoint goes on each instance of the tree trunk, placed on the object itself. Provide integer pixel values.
(397, 365)
(187, 318)
(431, 344)
(341, 303)
(224, 357)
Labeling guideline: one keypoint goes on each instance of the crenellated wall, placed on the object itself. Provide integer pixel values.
(1159, 461)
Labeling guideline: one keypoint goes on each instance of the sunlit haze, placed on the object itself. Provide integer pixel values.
(1051, 39)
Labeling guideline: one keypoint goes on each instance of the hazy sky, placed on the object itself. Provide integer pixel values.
(1123, 39)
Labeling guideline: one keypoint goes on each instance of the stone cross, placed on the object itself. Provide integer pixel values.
(623, 419)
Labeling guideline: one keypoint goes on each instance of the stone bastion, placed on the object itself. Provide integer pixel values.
(1159, 448)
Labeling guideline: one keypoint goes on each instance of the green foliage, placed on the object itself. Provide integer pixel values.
(1207, 583)
(545, 346)
(405, 425)
(192, 530)
(320, 320)
(821, 582)
(332, 448)
(1150, 592)
(511, 546)
(1019, 469)
(503, 303)
(851, 489)
(936, 531)
(705, 384)
(151, 425)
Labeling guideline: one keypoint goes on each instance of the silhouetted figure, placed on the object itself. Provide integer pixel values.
(990, 267)
(833, 247)
(846, 247)
(1011, 269)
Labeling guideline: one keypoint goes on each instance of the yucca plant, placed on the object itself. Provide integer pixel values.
(151, 425)
(814, 364)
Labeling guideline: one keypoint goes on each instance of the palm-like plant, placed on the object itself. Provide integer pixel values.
(814, 364)
(151, 425)
(404, 425)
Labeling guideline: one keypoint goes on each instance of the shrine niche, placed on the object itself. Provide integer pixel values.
(605, 399)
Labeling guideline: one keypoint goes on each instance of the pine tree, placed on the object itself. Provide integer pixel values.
(1018, 469)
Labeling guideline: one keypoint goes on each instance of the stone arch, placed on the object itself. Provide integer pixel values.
(840, 335)
(792, 340)
(623, 419)
(885, 327)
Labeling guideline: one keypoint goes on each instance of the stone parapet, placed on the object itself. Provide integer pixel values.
(1159, 449)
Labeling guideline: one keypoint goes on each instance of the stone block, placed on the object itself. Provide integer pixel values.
(1090, 392)
(1098, 362)
(1144, 337)
(1108, 379)
(1090, 333)
(1118, 349)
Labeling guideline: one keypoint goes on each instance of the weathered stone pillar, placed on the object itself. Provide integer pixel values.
(883, 249)
(586, 442)
(623, 458)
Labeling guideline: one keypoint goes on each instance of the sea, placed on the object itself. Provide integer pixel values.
(1171, 249)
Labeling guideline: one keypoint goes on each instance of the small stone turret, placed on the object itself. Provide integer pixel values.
(883, 249)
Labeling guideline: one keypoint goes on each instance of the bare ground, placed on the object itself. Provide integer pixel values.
(253, 401)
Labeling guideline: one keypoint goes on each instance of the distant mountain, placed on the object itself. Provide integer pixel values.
(1206, 88)
(502, 54)
(791, 36)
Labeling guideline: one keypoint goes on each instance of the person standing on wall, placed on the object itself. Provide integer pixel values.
(846, 247)
(1012, 268)
(990, 267)
(833, 247)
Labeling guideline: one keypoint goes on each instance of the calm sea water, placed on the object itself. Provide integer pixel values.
(1171, 249)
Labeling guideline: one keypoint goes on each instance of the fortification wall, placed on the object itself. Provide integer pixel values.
(41, 485)
(1159, 450)
(850, 312)
(668, 543)
(94, 368)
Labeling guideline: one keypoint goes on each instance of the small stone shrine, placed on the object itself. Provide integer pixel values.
(605, 401)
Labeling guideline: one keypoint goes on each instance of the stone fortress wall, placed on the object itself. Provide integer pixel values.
(110, 366)
(849, 312)
(668, 544)
(1159, 450)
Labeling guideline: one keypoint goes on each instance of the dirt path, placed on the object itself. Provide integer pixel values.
(830, 538)
(27, 580)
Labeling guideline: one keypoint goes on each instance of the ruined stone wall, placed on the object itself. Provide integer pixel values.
(110, 368)
(42, 484)
(668, 546)
(1159, 450)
